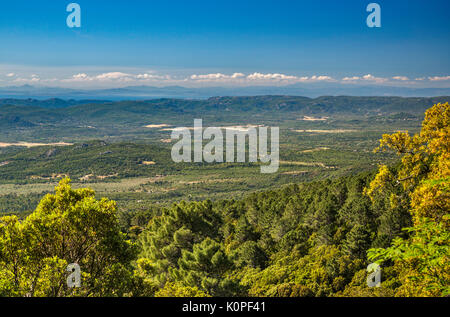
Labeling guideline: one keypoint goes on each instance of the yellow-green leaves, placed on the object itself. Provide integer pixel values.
(70, 226)
(422, 260)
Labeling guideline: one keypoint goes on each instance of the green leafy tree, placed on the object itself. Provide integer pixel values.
(422, 259)
(70, 226)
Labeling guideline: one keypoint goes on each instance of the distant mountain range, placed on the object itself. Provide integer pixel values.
(149, 92)
(38, 111)
(58, 119)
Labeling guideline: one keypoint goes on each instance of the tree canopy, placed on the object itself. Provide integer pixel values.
(306, 239)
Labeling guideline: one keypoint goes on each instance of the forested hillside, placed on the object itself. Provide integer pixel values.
(122, 149)
(55, 110)
(305, 239)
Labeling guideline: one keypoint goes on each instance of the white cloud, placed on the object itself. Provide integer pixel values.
(402, 78)
(120, 77)
(371, 78)
(321, 78)
(80, 76)
(210, 76)
(287, 78)
(152, 77)
(104, 77)
(368, 77)
(259, 76)
(437, 78)
(354, 78)
(217, 77)
(113, 76)
(34, 78)
(237, 75)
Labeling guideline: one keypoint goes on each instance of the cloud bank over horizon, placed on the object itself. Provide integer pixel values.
(96, 78)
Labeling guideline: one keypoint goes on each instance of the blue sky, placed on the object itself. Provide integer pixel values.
(216, 42)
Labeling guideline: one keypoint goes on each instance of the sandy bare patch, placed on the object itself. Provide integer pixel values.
(87, 127)
(233, 128)
(326, 131)
(156, 126)
(53, 176)
(242, 128)
(86, 177)
(306, 118)
(148, 163)
(4, 163)
(166, 140)
(92, 176)
(107, 176)
(212, 180)
(294, 173)
(316, 149)
(191, 182)
(28, 144)
(303, 163)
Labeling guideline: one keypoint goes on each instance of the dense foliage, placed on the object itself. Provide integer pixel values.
(69, 120)
(67, 227)
(423, 260)
(307, 239)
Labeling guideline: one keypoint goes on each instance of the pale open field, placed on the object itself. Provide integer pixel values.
(326, 131)
(28, 144)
